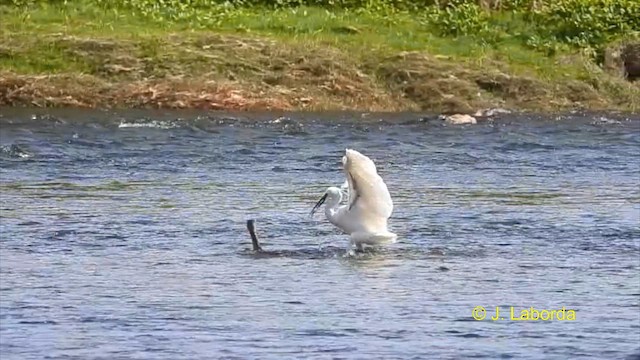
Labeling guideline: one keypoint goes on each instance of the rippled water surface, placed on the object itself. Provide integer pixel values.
(123, 237)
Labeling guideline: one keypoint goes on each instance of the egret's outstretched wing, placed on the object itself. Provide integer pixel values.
(368, 194)
(348, 184)
(345, 189)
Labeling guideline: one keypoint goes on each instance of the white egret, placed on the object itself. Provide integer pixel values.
(365, 215)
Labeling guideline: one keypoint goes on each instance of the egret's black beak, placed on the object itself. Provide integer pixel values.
(318, 204)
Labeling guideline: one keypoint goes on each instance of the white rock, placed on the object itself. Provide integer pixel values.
(491, 112)
(459, 119)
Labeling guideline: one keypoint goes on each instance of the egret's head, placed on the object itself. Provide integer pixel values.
(332, 193)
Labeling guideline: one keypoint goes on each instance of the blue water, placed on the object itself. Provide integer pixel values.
(122, 236)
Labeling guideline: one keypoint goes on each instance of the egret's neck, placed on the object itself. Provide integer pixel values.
(333, 202)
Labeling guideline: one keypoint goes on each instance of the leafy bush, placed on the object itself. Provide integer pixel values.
(329, 4)
(202, 12)
(340, 4)
(588, 22)
(547, 25)
(459, 18)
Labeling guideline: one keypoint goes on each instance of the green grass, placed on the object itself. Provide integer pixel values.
(359, 32)
(248, 47)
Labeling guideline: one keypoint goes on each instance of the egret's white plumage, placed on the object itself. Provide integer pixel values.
(369, 204)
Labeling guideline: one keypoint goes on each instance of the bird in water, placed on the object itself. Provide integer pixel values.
(364, 217)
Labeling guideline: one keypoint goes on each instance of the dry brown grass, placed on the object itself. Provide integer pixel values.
(248, 73)
(433, 83)
(89, 91)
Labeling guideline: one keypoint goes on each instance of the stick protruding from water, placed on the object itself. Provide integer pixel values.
(251, 226)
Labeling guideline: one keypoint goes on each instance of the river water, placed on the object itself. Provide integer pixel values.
(123, 237)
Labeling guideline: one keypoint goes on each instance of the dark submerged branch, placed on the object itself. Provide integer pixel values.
(255, 243)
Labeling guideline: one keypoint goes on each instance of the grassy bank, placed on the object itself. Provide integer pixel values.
(381, 58)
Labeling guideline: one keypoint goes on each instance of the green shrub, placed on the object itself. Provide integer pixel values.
(201, 12)
(340, 4)
(546, 25)
(588, 22)
(458, 18)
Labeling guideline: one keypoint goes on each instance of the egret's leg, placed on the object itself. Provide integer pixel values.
(358, 247)
(357, 240)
